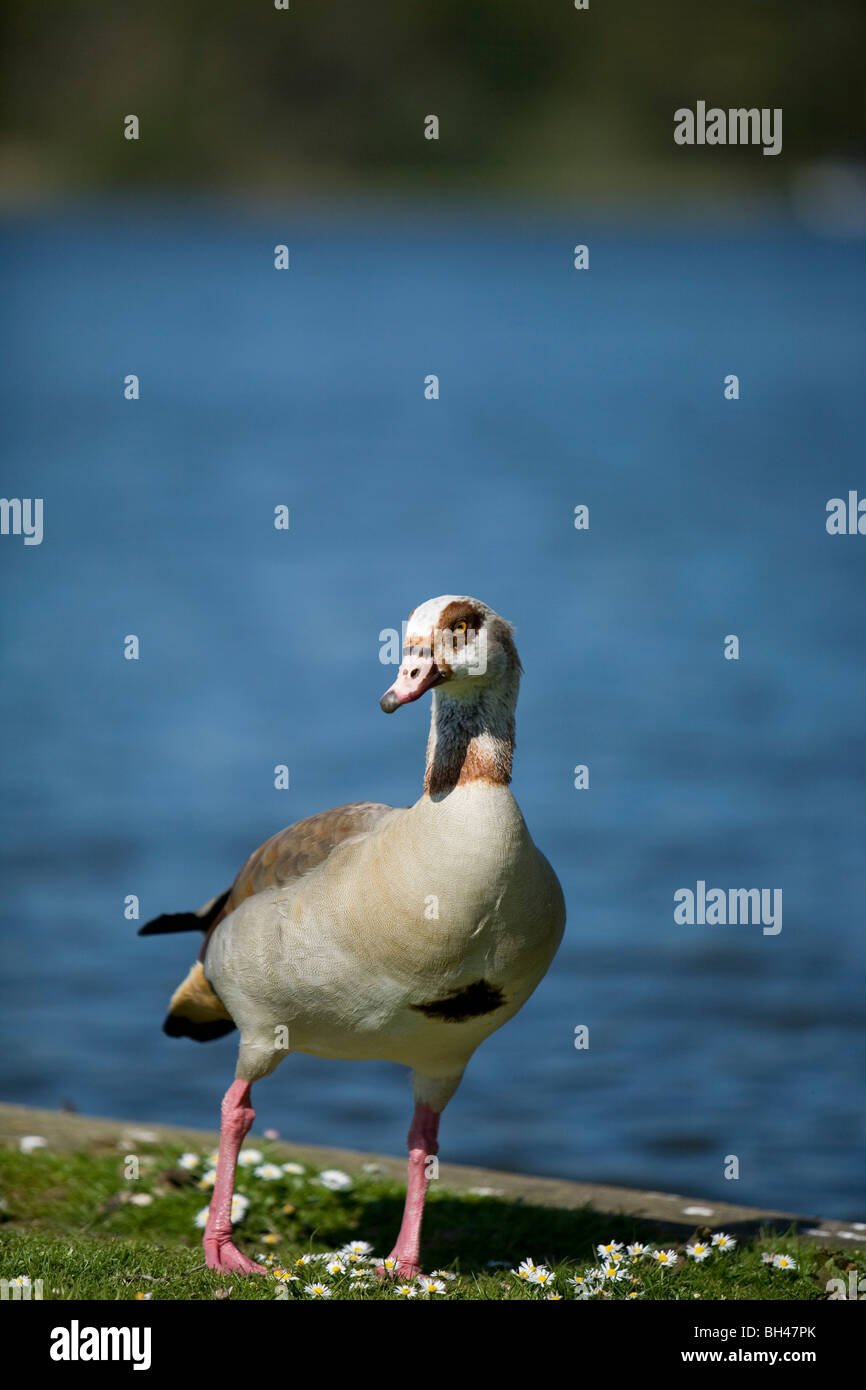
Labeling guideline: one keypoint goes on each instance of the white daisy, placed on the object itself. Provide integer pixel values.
(406, 1291)
(335, 1266)
(358, 1248)
(635, 1251)
(585, 1285)
(609, 1249)
(269, 1171)
(723, 1242)
(296, 1170)
(429, 1285)
(240, 1207)
(28, 1142)
(188, 1161)
(248, 1158)
(698, 1251)
(666, 1258)
(334, 1180)
(784, 1262)
(317, 1290)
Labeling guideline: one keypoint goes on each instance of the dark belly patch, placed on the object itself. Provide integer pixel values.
(471, 1002)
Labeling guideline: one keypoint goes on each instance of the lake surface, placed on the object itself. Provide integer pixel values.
(259, 647)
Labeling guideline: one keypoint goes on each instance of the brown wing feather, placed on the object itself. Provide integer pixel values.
(297, 850)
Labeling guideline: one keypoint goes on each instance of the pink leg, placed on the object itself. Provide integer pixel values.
(422, 1145)
(219, 1249)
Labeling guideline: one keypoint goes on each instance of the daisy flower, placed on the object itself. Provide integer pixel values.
(28, 1142)
(553, 1297)
(295, 1170)
(317, 1290)
(389, 1263)
(21, 1281)
(240, 1207)
(614, 1272)
(285, 1276)
(609, 1249)
(635, 1251)
(335, 1266)
(213, 1158)
(405, 1291)
(698, 1251)
(188, 1161)
(666, 1258)
(784, 1262)
(525, 1269)
(208, 1179)
(634, 1294)
(270, 1238)
(723, 1242)
(429, 1285)
(540, 1276)
(269, 1171)
(143, 1296)
(305, 1259)
(442, 1274)
(334, 1180)
(357, 1249)
(767, 1258)
(248, 1158)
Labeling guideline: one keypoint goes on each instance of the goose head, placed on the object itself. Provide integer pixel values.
(454, 642)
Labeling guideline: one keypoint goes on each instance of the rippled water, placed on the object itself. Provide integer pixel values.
(258, 647)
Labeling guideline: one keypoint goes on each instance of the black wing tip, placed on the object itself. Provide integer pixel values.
(185, 921)
(175, 1026)
(171, 922)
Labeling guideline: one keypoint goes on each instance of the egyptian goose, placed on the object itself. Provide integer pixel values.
(407, 935)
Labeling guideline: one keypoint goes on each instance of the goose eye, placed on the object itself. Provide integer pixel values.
(459, 627)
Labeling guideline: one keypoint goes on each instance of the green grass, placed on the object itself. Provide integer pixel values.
(68, 1220)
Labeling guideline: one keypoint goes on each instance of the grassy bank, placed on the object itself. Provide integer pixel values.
(117, 1226)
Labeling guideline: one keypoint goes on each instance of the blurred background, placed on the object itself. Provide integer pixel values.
(557, 387)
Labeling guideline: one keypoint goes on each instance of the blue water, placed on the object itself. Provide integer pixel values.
(261, 647)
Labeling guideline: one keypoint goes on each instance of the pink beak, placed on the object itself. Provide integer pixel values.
(417, 674)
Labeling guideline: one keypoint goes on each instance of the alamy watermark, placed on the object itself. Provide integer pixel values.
(721, 907)
(22, 516)
(737, 126)
(448, 646)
